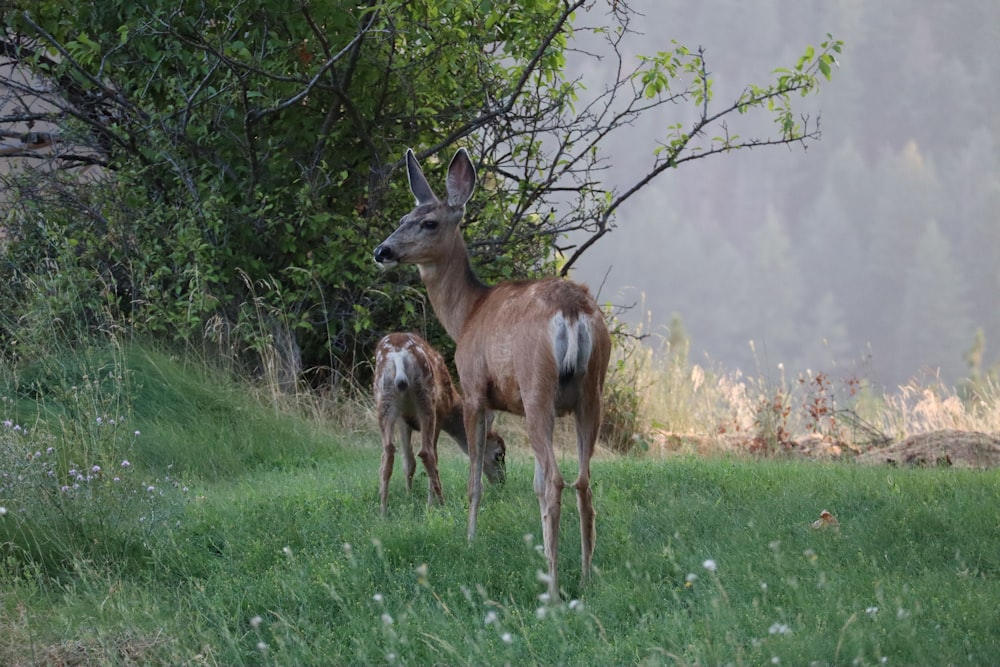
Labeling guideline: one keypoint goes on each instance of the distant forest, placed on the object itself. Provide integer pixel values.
(874, 253)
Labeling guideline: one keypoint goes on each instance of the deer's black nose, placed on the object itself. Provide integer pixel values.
(384, 254)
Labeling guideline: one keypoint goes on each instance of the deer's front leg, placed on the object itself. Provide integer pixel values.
(475, 428)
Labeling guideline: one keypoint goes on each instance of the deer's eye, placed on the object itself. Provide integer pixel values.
(429, 224)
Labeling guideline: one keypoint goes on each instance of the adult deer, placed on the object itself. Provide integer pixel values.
(413, 390)
(537, 348)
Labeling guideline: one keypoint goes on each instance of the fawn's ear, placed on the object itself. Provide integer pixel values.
(490, 416)
(461, 179)
(418, 184)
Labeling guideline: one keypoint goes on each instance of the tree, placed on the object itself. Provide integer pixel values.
(934, 325)
(909, 197)
(246, 155)
(824, 336)
(777, 289)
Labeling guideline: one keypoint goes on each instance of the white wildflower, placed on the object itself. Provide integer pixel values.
(779, 629)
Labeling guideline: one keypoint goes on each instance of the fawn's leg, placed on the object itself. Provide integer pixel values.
(428, 454)
(385, 471)
(409, 463)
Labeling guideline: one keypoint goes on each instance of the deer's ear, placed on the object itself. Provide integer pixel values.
(418, 184)
(461, 179)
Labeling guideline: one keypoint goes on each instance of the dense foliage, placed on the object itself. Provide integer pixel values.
(219, 173)
(250, 143)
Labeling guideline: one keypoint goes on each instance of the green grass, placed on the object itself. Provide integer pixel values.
(276, 554)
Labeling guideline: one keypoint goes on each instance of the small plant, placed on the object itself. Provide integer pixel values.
(818, 404)
(624, 424)
(69, 483)
(771, 432)
(61, 508)
(621, 428)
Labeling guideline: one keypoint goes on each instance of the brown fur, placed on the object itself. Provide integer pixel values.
(414, 392)
(507, 340)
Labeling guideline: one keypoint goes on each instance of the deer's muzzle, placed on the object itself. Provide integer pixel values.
(385, 257)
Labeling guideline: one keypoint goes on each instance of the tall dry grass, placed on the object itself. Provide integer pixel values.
(686, 407)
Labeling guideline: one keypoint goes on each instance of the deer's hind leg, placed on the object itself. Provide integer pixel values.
(548, 485)
(588, 420)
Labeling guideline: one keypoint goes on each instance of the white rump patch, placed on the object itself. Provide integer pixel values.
(394, 367)
(571, 344)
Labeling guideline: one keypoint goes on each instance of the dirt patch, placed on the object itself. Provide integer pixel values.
(962, 449)
(666, 443)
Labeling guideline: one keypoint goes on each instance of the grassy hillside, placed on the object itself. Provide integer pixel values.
(240, 534)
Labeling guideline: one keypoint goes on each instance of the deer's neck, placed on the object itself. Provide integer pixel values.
(454, 425)
(453, 289)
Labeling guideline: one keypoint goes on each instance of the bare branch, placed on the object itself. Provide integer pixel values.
(558, 27)
(331, 60)
(680, 149)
